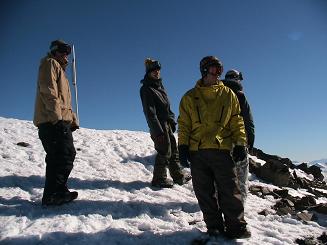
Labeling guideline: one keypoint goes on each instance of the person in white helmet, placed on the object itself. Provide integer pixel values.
(233, 80)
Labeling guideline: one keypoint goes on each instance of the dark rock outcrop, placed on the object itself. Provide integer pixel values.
(23, 144)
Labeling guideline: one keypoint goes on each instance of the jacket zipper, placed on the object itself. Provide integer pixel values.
(221, 115)
(197, 109)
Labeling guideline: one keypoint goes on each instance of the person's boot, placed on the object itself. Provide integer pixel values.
(59, 198)
(162, 183)
(181, 181)
(238, 234)
(216, 230)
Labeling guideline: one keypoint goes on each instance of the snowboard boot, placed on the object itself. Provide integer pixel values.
(186, 178)
(162, 183)
(216, 230)
(59, 198)
(239, 234)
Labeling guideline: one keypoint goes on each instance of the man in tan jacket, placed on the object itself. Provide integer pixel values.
(56, 120)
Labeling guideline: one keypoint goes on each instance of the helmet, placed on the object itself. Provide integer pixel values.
(208, 61)
(233, 75)
(60, 46)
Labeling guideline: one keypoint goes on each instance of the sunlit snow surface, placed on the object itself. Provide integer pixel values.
(116, 204)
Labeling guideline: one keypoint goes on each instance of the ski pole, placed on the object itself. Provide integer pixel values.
(74, 82)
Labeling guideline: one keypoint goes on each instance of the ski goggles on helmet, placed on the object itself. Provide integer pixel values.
(235, 76)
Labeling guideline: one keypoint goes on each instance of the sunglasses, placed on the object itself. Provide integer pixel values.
(64, 49)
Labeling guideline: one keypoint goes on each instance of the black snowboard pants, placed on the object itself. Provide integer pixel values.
(167, 157)
(214, 171)
(57, 141)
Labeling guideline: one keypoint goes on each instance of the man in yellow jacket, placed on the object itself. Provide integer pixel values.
(210, 128)
(56, 120)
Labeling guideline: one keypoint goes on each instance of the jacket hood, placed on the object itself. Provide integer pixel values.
(234, 85)
(199, 83)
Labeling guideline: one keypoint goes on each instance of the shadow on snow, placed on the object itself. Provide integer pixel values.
(117, 209)
(113, 237)
(36, 181)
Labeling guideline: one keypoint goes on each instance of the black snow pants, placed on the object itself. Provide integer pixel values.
(57, 141)
(214, 171)
(167, 157)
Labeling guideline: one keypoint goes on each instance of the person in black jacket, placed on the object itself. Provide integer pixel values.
(233, 80)
(162, 125)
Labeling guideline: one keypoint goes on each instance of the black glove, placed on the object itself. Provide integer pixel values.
(239, 153)
(73, 128)
(184, 155)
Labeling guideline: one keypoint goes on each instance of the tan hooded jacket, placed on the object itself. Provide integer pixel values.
(53, 96)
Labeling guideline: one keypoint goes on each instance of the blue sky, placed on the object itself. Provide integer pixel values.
(280, 46)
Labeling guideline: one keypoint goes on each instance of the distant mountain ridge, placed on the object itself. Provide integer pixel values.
(324, 160)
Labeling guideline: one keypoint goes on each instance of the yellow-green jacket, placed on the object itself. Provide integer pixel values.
(209, 118)
(53, 96)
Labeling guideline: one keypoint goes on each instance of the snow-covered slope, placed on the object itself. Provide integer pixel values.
(116, 204)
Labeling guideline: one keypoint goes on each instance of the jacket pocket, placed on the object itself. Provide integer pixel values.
(223, 135)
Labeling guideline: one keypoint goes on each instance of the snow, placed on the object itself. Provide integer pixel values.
(116, 204)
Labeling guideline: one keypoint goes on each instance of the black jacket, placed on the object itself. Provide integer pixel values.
(156, 106)
(245, 110)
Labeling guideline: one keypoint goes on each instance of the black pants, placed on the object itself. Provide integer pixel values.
(167, 157)
(57, 141)
(214, 171)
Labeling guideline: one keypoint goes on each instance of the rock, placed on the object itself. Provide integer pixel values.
(316, 192)
(303, 183)
(255, 189)
(264, 212)
(266, 191)
(323, 238)
(282, 207)
(275, 172)
(316, 172)
(23, 144)
(287, 162)
(193, 222)
(288, 202)
(284, 210)
(305, 203)
(320, 208)
(293, 184)
(303, 167)
(305, 216)
(254, 167)
(306, 241)
(283, 193)
(266, 157)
